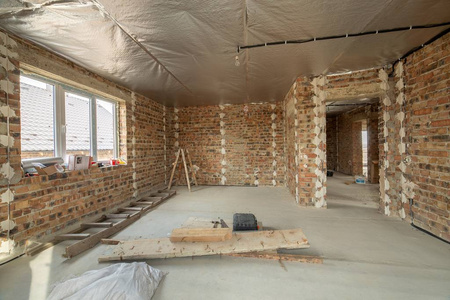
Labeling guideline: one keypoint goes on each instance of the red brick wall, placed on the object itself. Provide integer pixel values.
(358, 84)
(427, 82)
(357, 159)
(47, 205)
(331, 143)
(290, 140)
(248, 136)
(300, 144)
(345, 144)
(373, 144)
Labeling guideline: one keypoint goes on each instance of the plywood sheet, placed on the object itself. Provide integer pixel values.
(200, 234)
(239, 243)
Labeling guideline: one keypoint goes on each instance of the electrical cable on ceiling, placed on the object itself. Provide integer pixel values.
(343, 36)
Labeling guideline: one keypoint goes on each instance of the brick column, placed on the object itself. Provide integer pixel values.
(10, 161)
(406, 186)
(319, 141)
(310, 141)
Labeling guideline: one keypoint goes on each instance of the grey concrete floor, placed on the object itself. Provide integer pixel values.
(366, 255)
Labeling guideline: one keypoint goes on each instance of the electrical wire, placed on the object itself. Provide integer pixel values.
(341, 36)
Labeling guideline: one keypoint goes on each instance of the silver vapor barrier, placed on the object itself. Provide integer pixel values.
(186, 52)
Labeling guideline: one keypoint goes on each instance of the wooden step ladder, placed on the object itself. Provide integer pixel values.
(186, 171)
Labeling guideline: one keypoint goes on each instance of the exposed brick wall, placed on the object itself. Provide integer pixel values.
(373, 145)
(345, 144)
(290, 141)
(331, 143)
(359, 84)
(304, 114)
(427, 109)
(10, 111)
(389, 151)
(349, 124)
(46, 205)
(248, 134)
(357, 159)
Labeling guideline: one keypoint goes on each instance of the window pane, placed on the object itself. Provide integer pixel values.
(77, 125)
(36, 118)
(105, 130)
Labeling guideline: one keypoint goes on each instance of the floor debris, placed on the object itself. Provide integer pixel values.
(137, 281)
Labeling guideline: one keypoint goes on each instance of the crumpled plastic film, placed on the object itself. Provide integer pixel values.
(133, 281)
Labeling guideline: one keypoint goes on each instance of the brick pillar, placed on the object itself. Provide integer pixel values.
(393, 146)
(310, 142)
(404, 159)
(10, 161)
(319, 141)
(304, 135)
(385, 118)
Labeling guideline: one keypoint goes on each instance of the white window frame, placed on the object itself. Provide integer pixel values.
(59, 119)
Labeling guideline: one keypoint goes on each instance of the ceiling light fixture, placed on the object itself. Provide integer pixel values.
(236, 61)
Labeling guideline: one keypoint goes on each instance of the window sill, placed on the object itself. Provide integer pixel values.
(71, 173)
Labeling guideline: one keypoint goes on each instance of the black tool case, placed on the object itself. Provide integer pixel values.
(243, 222)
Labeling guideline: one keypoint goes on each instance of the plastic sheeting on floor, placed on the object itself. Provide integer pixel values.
(133, 281)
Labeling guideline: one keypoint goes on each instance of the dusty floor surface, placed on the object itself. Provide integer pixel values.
(366, 255)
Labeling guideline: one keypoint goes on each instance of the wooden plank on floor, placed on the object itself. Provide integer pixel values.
(151, 199)
(109, 241)
(273, 255)
(239, 243)
(95, 238)
(117, 216)
(130, 208)
(162, 195)
(200, 234)
(72, 236)
(141, 203)
(97, 225)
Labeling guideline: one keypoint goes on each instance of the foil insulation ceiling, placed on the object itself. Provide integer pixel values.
(183, 53)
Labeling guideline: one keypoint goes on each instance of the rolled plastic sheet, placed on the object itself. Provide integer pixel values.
(184, 53)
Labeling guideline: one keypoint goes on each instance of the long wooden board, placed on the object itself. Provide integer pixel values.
(72, 236)
(239, 243)
(200, 234)
(273, 255)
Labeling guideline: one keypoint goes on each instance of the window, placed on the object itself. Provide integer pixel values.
(37, 122)
(78, 125)
(58, 120)
(106, 128)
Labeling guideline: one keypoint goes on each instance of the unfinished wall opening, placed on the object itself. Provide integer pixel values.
(352, 136)
(352, 148)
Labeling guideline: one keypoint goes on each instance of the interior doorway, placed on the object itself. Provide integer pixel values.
(352, 148)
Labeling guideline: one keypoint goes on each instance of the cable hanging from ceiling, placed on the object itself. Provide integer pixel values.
(343, 36)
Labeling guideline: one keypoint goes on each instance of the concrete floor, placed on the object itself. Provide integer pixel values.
(366, 255)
